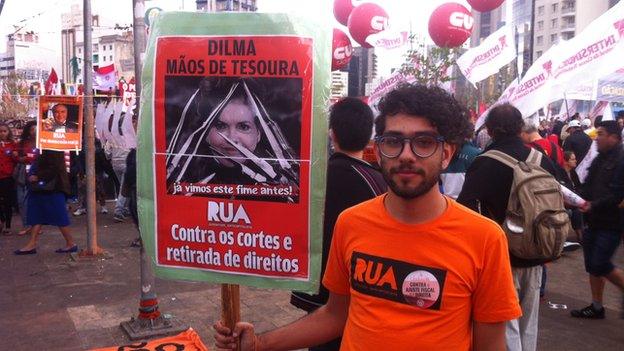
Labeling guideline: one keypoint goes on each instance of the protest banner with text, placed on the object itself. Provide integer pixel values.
(234, 148)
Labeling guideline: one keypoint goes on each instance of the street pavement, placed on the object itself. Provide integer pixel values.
(51, 301)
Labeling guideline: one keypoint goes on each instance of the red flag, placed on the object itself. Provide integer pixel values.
(49, 84)
(104, 78)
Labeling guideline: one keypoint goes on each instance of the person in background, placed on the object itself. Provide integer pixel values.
(577, 142)
(117, 155)
(48, 207)
(350, 181)
(452, 178)
(486, 190)
(593, 131)
(7, 184)
(603, 191)
(100, 192)
(532, 138)
(483, 139)
(572, 182)
(25, 155)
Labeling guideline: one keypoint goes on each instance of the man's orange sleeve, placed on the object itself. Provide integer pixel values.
(495, 298)
(336, 278)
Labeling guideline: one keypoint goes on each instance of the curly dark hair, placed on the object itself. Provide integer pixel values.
(433, 103)
(504, 121)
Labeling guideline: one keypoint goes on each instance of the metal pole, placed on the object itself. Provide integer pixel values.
(138, 30)
(565, 100)
(92, 244)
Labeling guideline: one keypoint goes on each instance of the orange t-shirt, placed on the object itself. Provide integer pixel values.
(419, 287)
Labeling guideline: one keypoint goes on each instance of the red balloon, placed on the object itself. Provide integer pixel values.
(342, 10)
(365, 20)
(341, 50)
(450, 25)
(485, 5)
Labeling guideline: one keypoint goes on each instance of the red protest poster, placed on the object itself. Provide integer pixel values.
(232, 141)
(59, 123)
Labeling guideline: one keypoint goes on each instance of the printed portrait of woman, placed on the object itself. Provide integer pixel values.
(234, 131)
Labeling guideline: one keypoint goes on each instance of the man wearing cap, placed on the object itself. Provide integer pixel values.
(578, 142)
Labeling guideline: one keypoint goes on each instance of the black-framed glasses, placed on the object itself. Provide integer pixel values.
(423, 145)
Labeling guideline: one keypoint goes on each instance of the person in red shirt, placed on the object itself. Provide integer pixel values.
(411, 269)
(530, 135)
(7, 186)
(25, 154)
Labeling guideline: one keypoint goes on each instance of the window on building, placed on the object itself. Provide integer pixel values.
(104, 58)
(540, 10)
(96, 58)
(567, 35)
(553, 23)
(540, 40)
(540, 25)
(554, 8)
(110, 47)
(80, 50)
(553, 38)
(95, 47)
(110, 58)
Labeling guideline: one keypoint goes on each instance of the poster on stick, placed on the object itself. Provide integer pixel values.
(59, 123)
(232, 148)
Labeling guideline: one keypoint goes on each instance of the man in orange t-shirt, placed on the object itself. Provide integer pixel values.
(412, 269)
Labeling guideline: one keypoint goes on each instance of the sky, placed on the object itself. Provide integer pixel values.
(44, 17)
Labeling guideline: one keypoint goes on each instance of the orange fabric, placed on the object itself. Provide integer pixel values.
(419, 287)
(187, 340)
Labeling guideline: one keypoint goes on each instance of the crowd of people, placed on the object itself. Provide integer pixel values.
(41, 185)
(410, 260)
(429, 238)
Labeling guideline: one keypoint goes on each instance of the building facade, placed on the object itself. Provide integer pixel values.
(486, 23)
(26, 57)
(117, 49)
(522, 23)
(557, 20)
(362, 69)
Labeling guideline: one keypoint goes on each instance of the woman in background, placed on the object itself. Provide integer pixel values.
(25, 155)
(47, 207)
(7, 185)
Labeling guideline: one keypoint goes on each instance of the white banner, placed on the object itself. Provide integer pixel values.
(388, 39)
(496, 51)
(585, 91)
(387, 85)
(596, 51)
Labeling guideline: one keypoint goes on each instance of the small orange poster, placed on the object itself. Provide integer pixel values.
(59, 123)
(185, 341)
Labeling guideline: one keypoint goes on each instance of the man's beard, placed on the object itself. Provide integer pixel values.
(428, 182)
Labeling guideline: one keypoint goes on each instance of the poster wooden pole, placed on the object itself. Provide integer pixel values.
(230, 305)
(92, 241)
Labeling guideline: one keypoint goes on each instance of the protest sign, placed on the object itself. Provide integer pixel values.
(59, 123)
(611, 88)
(185, 341)
(232, 148)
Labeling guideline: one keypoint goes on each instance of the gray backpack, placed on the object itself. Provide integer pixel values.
(536, 222)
